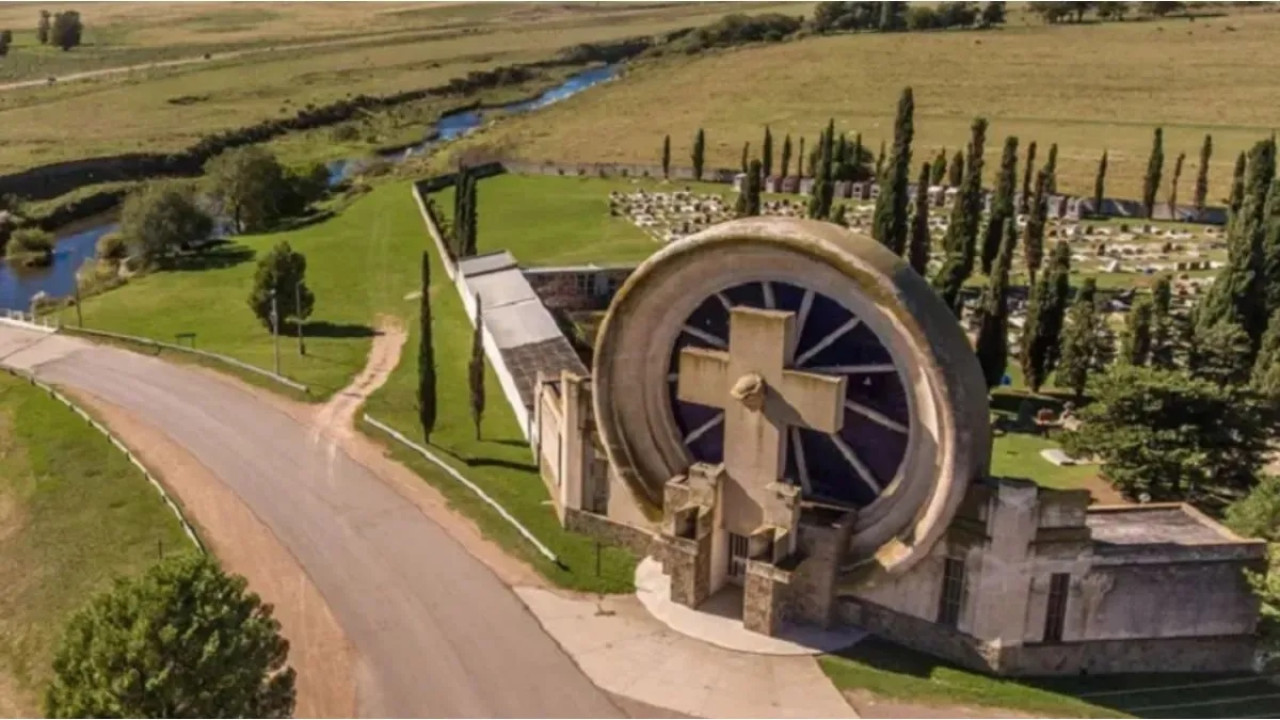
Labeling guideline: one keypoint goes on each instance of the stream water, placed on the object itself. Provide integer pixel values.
(77, 242)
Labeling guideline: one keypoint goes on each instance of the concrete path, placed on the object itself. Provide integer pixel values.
(435, 632)
(626, 651)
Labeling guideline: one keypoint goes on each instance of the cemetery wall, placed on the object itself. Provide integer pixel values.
(433, 228)
(496, 358)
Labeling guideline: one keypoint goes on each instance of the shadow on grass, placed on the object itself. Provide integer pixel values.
(297, 223)
(327, 329)
(213, 257)
(475, 461)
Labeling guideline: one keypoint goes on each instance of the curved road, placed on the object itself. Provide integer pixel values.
(436, 632)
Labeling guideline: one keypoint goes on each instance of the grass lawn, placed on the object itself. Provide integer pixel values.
(893, 672)
(74, 513)
(1086, 87)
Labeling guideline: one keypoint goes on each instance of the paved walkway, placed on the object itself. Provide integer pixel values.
(624, 650)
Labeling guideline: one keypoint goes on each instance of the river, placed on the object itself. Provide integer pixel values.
(77, 242)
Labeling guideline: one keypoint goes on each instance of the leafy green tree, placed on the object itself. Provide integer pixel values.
(1112, 10)
(766, 152)
(1135, 343)
(955, 171)
(1201, 193)
(33, 245)
(42, 30)
(1173, 185)
(1081, 347)
(939, 171)
(1033, 233)
(66, 30)
(918, 245)
(890, 222)
(961, 239)
(161, 218)
(993, 13)
(1024, 200)
(666, 157)
(426, 356)
(1045, 313)
(1001, 204)
(1162, 324)
(1222, 353)
(1099, 186)
(1051, 171)
(786, 155)
(892, 16)
(475, 368)
(282, 274)
(699, 153)
(251, 186)
(992, 345)
(1170, 435)
(183, 640)
(1160, 9)
(1151, 181)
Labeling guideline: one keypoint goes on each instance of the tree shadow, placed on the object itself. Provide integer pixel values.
(326, 329)
(299, 222)
(212, 257)
(493, 462)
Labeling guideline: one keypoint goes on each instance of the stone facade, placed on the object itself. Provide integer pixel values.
(586, 287)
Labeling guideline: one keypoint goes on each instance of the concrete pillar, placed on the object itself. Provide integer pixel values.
(576, 486)
(998, 596)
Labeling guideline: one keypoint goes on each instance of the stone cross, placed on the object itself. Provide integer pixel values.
(762, 400)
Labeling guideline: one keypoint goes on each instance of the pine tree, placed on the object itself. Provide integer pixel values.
(1051, 171)
(1162, 335)
(823, 190)
(962, 233)
(1081, 345)
(1033, 233)
(1173, 186)
(1135, 343)
(699, 153)
(746, 155)
(666, 157)
(766, 152)
(475, 368)
(800, 158)
(992, 345)
(939, 170)
(1045, 314)
(1001, 204)
(426, 356)
(1099, 185)
(955, 171)
(1024, 201)
(889, 223)
(1201, 193)
(1155, 165)
(1271, 249)
(786, 156)
(918, 251)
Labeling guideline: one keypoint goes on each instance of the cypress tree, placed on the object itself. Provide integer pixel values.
(475, 368)
(1201, 193)
(461, 194)
(666, 157)
(1239, 294)
(1155, 165)
(918, 252)
(1051, 171)
(1033, 235)
(1266, 368)
(880, 164)
(699, 153)
(426, 357)
(800, 158)
(1080, 349)
(939, 170)
(749, 198)
(746, 155)
(840, 158)
(962, 233)
(1162, 336)
(766, 152)
(955, 173)
(1045, 313)
(472, 214)
(823, 190)
(992, 345)
(1024, 202)
(889, 223)
(1173, 186)
(1099, 185)
(1135, 343)
(1237, 191)
(1001, 204)
(786, 155)
(859, 173)
(1271, 249)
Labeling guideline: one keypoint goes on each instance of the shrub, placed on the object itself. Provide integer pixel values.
(112, 247)
(32, 245)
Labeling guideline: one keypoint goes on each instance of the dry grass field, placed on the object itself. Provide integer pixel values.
(1088, 88)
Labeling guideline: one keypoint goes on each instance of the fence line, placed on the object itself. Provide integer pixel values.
(435, 460)
(205, 353)
(27, 321)
(164, 494)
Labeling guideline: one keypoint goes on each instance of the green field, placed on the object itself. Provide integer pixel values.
(74, 513)
(1089, 88)
(894, 672)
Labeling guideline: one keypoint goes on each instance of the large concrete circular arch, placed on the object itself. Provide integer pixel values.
(950, 440)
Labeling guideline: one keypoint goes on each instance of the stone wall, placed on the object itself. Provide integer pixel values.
(1100, 657)
(1170, 600)
(581, 288)
(916, 633)
(610, 532)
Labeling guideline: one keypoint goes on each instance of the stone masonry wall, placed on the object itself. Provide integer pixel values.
(610, 532)
(1100, 657)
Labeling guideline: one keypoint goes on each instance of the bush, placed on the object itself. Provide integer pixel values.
(162, 217)
(112, 247)
(32, 246)
(740, 29)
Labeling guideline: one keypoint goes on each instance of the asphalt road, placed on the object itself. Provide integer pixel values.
(436, 632)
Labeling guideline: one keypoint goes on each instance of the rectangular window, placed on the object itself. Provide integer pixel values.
(952, 592)
(1055, 615)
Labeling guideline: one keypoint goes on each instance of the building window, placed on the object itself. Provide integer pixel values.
(1055, 615)
(584, 284)
(952, 592)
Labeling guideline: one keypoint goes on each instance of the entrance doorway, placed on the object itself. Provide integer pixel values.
(737, 558)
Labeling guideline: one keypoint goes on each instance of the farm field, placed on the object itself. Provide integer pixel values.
(74, 513)
(1089, 88)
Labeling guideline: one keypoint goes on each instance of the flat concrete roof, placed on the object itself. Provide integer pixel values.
(1163, 524)
(522, 323)
(483, 264)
